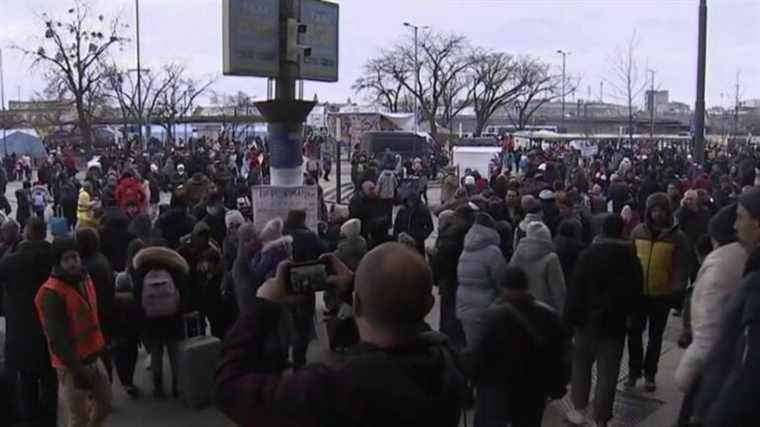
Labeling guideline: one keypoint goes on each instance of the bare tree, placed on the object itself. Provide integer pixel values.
(179, 96)
(121, 89)
(442, 61)
(72, 52)
(380, 86)
(234, 111)
(541, 86)
(496, 80)
(627, 79)
(456, 97)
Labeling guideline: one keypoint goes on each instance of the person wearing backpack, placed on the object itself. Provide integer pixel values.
(516, 357)
(160, 275)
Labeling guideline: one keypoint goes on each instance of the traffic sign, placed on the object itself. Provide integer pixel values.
(251, 37)
(321, 36)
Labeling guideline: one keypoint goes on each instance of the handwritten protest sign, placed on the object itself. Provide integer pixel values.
(272, 202)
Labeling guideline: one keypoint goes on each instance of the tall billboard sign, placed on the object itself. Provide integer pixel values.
(251, 37)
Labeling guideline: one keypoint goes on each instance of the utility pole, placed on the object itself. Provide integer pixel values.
(285, 114)
(2, 104)
(416, 30)
(737, 104)
(601, 91)
(139, 76)
(652, 105)
(564, 82)
(699, 137)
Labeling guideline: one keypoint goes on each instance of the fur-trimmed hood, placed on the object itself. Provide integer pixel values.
(159, 257)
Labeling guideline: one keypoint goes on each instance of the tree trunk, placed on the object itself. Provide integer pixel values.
(85, 130)
(480, 124)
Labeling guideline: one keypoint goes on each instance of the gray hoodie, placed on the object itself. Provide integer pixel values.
(480, 272)
(541, 264)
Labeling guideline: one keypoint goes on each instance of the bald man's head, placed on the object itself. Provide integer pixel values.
(393, 287)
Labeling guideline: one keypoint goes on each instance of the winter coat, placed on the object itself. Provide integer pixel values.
(376, 387)
(102, 277)
(448, 248)
(174, 224)
(386, 185)
(605, 287)
(480, 272)
(522, 227)
(568, 250)
(731, 376)
(541, 264)
(373, 216)
(415, 221)
(115, 237)
(351, 251)
(22, 273)
(717, 282)
(506, 360)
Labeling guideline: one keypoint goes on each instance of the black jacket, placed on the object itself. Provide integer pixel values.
(174, 224)
(525, 355)
(22, 273)
(415, 221)
(606, 287)
(103, 279)
(372, 215)
(114, 237)
(418, 384)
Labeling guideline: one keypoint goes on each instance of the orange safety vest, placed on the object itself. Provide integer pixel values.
(82, 315)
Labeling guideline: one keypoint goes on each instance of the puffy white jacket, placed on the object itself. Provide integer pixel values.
(717, 281)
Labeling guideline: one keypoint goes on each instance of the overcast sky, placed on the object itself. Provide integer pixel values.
(190, 31)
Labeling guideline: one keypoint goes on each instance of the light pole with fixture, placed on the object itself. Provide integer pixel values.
(416, 73)
(564, 81)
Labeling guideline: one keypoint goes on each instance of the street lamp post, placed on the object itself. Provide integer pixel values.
(652, 104)
(564, 82)
(699, 137)
(139, 77)
(416, 30)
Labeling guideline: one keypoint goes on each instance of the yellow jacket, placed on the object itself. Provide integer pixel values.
(664, 260)
(85, 215)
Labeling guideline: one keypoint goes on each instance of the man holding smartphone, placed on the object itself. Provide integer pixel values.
(398, 377)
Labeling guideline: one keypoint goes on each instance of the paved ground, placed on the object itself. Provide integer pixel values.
(633, 408)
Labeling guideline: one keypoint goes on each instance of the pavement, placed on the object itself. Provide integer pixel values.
(632, 408)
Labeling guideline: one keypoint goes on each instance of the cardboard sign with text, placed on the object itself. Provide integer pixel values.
(271, 202)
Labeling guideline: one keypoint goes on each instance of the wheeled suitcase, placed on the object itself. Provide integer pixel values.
(58, 224)
(197, 359)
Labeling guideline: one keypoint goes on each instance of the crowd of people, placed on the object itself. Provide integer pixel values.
(545, 265)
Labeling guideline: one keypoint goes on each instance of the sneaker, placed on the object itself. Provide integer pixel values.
(630, 382)
(576, 418)
(649, 385)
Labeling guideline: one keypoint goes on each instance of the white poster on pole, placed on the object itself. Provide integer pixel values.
(275, 202)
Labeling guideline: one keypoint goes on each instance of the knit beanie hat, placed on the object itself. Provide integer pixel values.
(271, 231)
(61, 245)
(352, 228)
(750, 200)
(721, 226)
(537, 230)
(233, 217)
